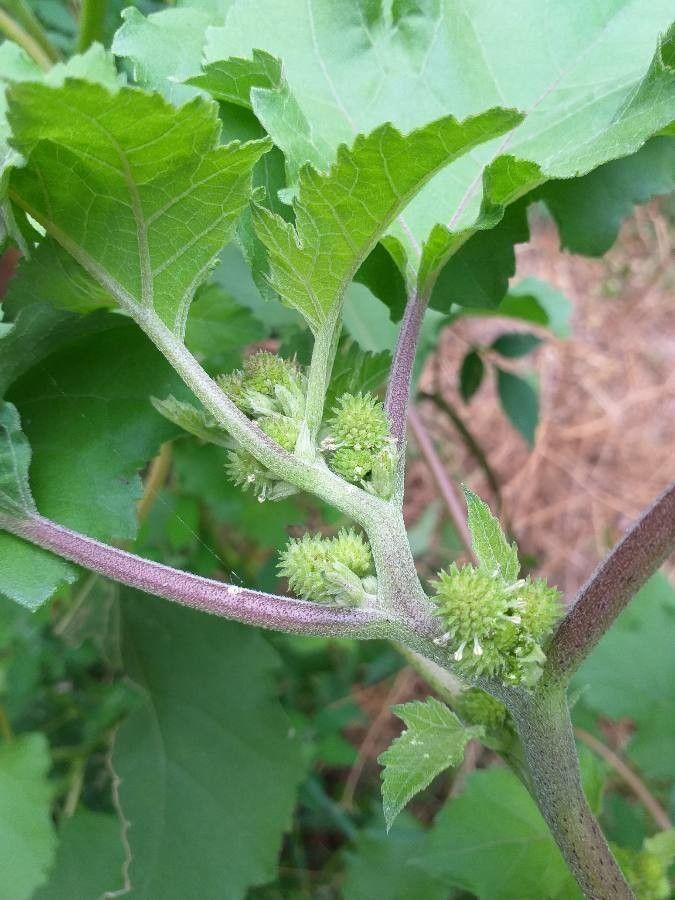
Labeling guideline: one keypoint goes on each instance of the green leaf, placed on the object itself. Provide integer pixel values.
(537, 301)
(27, 839)
(356, 370)
(380, 865)
(341, 215)
(515, 344)
(493, 551)
(470, 375)
(218, 328)
(433, 740)
(589, 210)
(596, 86)
(208, 762)
(631, 674)
(493, 842)
(520, 402)
(163, 48)
(160, 197)
(15, 496)
(89, 399)
(193, 419)
(89, 859)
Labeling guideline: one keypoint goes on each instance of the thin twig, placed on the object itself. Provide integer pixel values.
(616, 580)
(158, 472)
(14, 32)
(470, 441)
(6, 732)
(449, 493)
(400, 380)
(227, 600)
(632, 780)
(22, 12)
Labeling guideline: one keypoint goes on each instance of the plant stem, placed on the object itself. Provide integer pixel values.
(21, 11)
(318, 377)
(612, 585)
(545, 730)
(91, 25)
(400, 380)
(628, 776)
(226, 600)
(14, 32)
(446, 487)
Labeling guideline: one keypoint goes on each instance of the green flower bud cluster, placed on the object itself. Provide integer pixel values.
(272, 391)
(494, 628)
(359, 446)
(330, 570)
(646, 870)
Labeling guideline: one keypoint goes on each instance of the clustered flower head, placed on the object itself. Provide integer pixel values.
(330, 570)
(271, 390)
(358, 444)
(494, 628)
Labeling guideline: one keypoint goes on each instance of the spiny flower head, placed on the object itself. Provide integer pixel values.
(245, 471)
(303, 563)
(359, 422)
(263, 371)
(352, 465)
(350, 549)
(281, 429)
(495, 628)
(328, 569)
(540, 607)
(232, 384)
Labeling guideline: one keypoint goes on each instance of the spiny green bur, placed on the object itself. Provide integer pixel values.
(495, 623)
(329, 570)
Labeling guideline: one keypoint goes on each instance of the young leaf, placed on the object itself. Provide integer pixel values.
(208, 761)
(515, 344)
(537, 301)
(470, 375)
(520, 402)
(137, 192)
(433, 740)
(27, 839)
(494, 553)
(15, 496)
(341, 215)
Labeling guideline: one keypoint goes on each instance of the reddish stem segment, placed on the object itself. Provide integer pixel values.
(226, 600)
(398, 389)
(612, 585)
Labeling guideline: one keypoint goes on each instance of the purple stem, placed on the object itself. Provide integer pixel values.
(226, 600)
(621, 574)
(398, 389)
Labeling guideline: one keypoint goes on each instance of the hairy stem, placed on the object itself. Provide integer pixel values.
(400, 380)
(14, 32)
(612, 585)
(545, 730)
(226, 600)
(91, 25)
(318, 377)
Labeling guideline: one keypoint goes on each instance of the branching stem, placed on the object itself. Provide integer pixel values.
(400, 381)
(226, 600)
(611, 586)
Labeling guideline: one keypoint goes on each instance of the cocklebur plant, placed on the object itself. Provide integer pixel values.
(126, 200)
